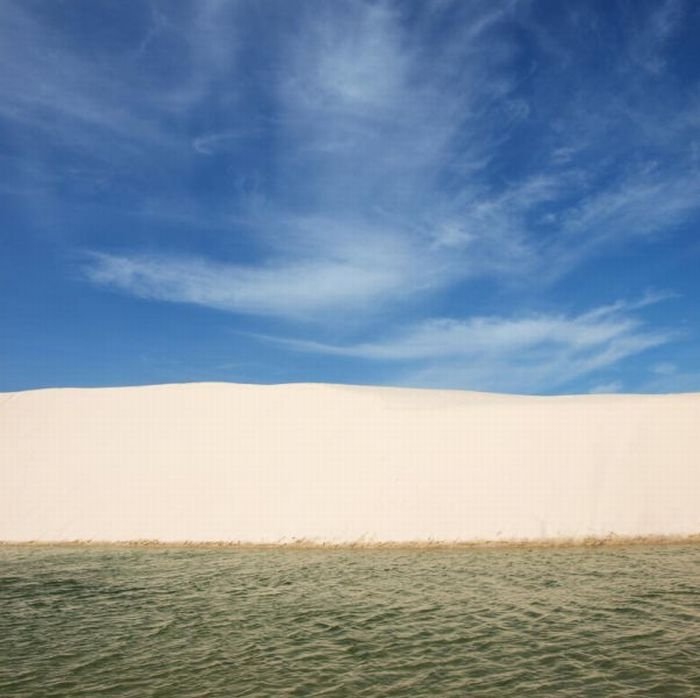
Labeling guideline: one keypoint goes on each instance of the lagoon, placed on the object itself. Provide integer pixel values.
(247, 621)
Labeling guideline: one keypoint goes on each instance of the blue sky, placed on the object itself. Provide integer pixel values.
(483, 195)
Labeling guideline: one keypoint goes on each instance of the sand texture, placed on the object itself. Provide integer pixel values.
(326, 463)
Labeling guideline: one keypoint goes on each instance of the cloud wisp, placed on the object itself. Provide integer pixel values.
(332, 165)
(523, 354)
(382, 134)
(299, 290)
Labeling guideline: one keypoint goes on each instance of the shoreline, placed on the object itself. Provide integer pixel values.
(612, 541)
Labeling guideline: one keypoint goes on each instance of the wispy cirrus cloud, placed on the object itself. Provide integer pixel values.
(606, 388)
(215, 143)
(521, 353)
(651, 33)
(318, 266)
(378, 129)
(305, 289)
(367, 114)
(106, 98)
(337, 162)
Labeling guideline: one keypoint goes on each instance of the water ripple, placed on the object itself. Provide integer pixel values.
(294, 622)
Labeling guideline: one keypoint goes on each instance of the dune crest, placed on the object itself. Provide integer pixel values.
(338, 464)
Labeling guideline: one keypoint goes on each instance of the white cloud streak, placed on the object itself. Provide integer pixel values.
(356, 270)
(652, 34)
(87, 102)
(402, 157)
(526, 354)
(376, 130)
(606, 388)
(374, 126)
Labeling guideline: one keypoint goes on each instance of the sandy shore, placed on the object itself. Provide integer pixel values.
(335, 464)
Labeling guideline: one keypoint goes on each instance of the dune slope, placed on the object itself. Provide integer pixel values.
(228, 462)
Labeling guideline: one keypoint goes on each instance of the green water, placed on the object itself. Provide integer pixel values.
(277, 622)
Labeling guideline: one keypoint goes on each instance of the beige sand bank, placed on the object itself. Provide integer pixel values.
(325, 463)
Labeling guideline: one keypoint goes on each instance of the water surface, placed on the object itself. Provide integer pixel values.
(618, 621)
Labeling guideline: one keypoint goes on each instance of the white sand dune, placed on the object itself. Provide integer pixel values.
(329, 463)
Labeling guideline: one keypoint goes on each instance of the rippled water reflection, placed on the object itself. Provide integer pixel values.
(344, 622)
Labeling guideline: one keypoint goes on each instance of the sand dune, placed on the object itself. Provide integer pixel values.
(328, 463)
